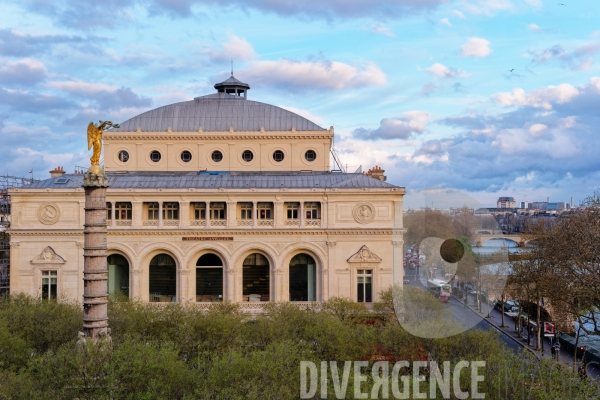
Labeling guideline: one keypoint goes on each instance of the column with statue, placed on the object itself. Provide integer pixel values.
(95, 272)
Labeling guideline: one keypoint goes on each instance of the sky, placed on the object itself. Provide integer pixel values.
(488, 97)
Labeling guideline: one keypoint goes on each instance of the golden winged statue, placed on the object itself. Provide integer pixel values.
(94, 134)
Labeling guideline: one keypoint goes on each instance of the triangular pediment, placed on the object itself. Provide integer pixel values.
(48, 256)
(364, 255)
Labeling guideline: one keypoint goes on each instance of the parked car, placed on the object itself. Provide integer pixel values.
(509, 306)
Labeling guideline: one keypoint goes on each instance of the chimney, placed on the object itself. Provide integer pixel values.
(377, 173)
(56, 172)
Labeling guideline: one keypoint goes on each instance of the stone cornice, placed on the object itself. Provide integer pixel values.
(211, 136)
(292, 192)
(225, 233)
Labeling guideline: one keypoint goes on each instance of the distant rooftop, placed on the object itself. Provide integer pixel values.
(230, 180)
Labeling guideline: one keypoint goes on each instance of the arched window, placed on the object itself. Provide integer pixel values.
(118, 275)
(303, 278)
(163, 279)
(255, 279)
(209, 278)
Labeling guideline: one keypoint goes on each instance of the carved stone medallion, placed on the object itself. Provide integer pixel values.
(49, 214)
(363, 213)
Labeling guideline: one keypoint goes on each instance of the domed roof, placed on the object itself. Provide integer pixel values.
(218, 112)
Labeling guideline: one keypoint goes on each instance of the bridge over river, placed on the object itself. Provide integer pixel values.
(483, 236)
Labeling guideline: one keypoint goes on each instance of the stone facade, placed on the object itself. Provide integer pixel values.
(337, 236)
(350, 225)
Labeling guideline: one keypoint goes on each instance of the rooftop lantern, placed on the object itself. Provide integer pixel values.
(233, 86)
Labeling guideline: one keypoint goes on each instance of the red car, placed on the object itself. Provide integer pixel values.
(444, 297)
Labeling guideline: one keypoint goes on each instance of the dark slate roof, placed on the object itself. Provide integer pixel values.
(232, 82)
(217, 113)
(231, 180)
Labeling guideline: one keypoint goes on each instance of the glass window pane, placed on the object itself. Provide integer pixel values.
(361, 292)
(209, 284)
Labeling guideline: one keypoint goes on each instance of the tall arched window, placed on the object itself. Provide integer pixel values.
(209, 278)
(256, 284)
(303, 278)
(163, 279)
(118, 275)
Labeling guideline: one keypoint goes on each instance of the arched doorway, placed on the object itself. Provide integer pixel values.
(256, 282)
(303, 278)
(209, 278)
(163, 279)
(118, 275)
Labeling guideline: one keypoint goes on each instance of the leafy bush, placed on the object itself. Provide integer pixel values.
(177, 352)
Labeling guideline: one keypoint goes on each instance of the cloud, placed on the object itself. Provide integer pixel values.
(458, 14)
(18, 44)
(88, 15)
(292, 75)
(476, 47)
(22, 101)
(22, 72)
(539, 98)
(487, 7)
(537, 130)
(106, 97)
(458, 88)
(404, 127)
(237, 48)
(428, 88)
(383, 29)
(524, 150)
(445, 21)
(79, 87)
(578, 58)
(534, 3)
(441, 71)
(328, 10)
(85, 15)
(534, 27)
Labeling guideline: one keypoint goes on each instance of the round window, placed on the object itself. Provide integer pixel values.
(278, 155)
(123, 156)
(310, 155)
(217, 156)
(186, 156)
(155, 156)
(247, 156)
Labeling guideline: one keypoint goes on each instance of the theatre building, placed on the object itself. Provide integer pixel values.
(219, 198)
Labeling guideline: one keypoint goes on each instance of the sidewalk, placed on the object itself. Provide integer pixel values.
(510, 330)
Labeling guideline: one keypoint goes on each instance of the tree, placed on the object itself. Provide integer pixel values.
(464, 223)
(427, 223)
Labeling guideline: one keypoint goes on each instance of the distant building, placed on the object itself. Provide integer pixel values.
(561, 205)
(482, 211)
(538, 205)
(524, 205)
(506, 202)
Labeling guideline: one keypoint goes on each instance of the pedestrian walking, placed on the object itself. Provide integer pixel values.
(582, 372)
(553, 351)
(556, 348)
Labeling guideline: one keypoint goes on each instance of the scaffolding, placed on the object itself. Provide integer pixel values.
(7, 182)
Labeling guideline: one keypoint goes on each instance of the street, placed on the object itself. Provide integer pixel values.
(472, 319)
